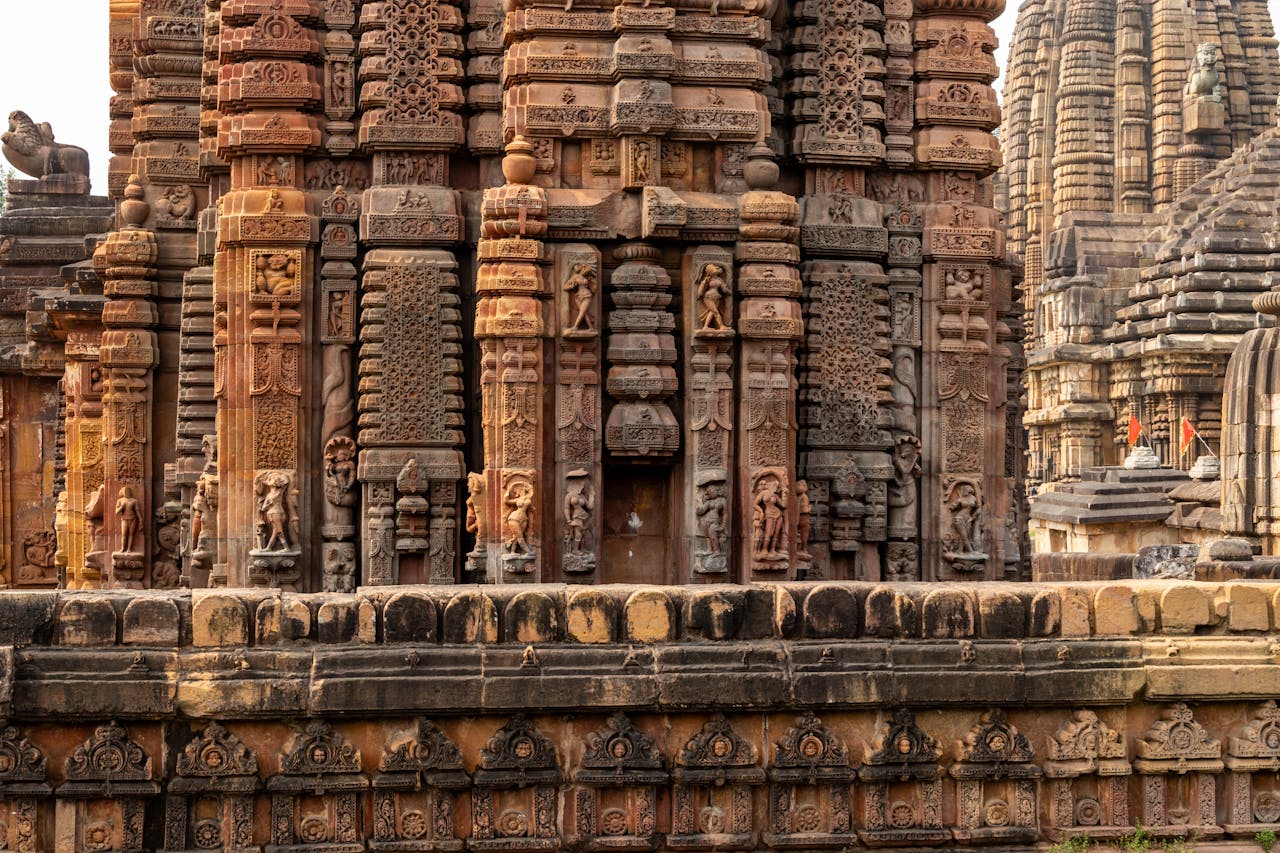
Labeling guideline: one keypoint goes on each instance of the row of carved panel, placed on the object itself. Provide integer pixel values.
(322, 798)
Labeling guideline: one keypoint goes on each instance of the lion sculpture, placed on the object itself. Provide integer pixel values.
(31, 149)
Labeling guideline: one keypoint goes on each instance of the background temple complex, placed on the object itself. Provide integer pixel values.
(520, 426)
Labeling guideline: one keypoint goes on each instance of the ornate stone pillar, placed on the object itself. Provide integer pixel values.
(509, 327)
(411, 406)
(337, 335)
(709, 411)
(263, 302)
(83, 388)
(128, 356)
(577, 280)
(963, 486)
(771, 326)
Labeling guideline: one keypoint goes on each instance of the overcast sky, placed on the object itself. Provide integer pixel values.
(53, 65)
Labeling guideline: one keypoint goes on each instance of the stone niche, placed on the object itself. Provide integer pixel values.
(715, 776)
(810, 789)
(995, 782)
(1088, 779)
(516, 792)
(903, 787)
(109, 780)
(209, 802)
(616, 799)
(1177, 761)
(317, 798)
(24, 794)
(1253, 788)
(415, 791)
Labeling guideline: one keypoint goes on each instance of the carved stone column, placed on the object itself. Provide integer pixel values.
(509, 328)
(411, 406)
(83, 387)
(337, 335)
(262, 299)
(709, 411)
(963, 364)
(128, 356)
(577, 278)
(770, 325)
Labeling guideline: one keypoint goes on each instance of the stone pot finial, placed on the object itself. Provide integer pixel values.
(761, 171)
(134, 209)
(519, 166)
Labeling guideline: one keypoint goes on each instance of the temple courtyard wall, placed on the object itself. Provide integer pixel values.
(796, 716)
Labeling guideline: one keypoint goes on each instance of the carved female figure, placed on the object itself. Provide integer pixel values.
(965, 507)
(712, 291)
(579, 503)
(581, 287)
(273, 512)
(770, 507)
(519, 519)
(711, 510)
(475, 518)
(128, 510)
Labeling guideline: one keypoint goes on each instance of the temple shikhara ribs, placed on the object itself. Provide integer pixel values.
(515, 426)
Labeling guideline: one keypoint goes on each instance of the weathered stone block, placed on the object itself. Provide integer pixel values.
(591, 616)
(648, 617)
(409, 617)
(151, 622)
(470, 618)
(831, 611)
(531, 617)
(948, 613)
(1183, 608)
(218, 619)
(1115, 610)
(86, 621)
(1248, 607)
(336, 620)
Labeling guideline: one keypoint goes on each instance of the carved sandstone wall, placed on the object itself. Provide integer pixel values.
(697, 292)
(862, 715)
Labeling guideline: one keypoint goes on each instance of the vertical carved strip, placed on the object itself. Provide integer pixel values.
(963, 365)
(263, 299)
(770, 326)
(510, 327)
(709, 415)
(128, 355)
(577, 279)
(337, 335)
(83, 391)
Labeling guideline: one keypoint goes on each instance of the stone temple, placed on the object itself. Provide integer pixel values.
(1114, 111)
(598, 426)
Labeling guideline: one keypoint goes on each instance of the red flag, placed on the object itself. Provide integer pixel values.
(1187, 438)
(1135, 429)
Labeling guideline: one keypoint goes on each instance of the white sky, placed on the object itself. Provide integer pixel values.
(53, 65)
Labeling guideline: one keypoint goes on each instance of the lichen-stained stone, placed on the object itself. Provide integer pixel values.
(409, 617)
(591, 616)
(648, 616)
(531, 617)
(86, 620)
(150, 622)
(219, 619)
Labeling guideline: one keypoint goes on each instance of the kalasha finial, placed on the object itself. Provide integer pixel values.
(134, 209)
(519, 166)
(760, 171)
